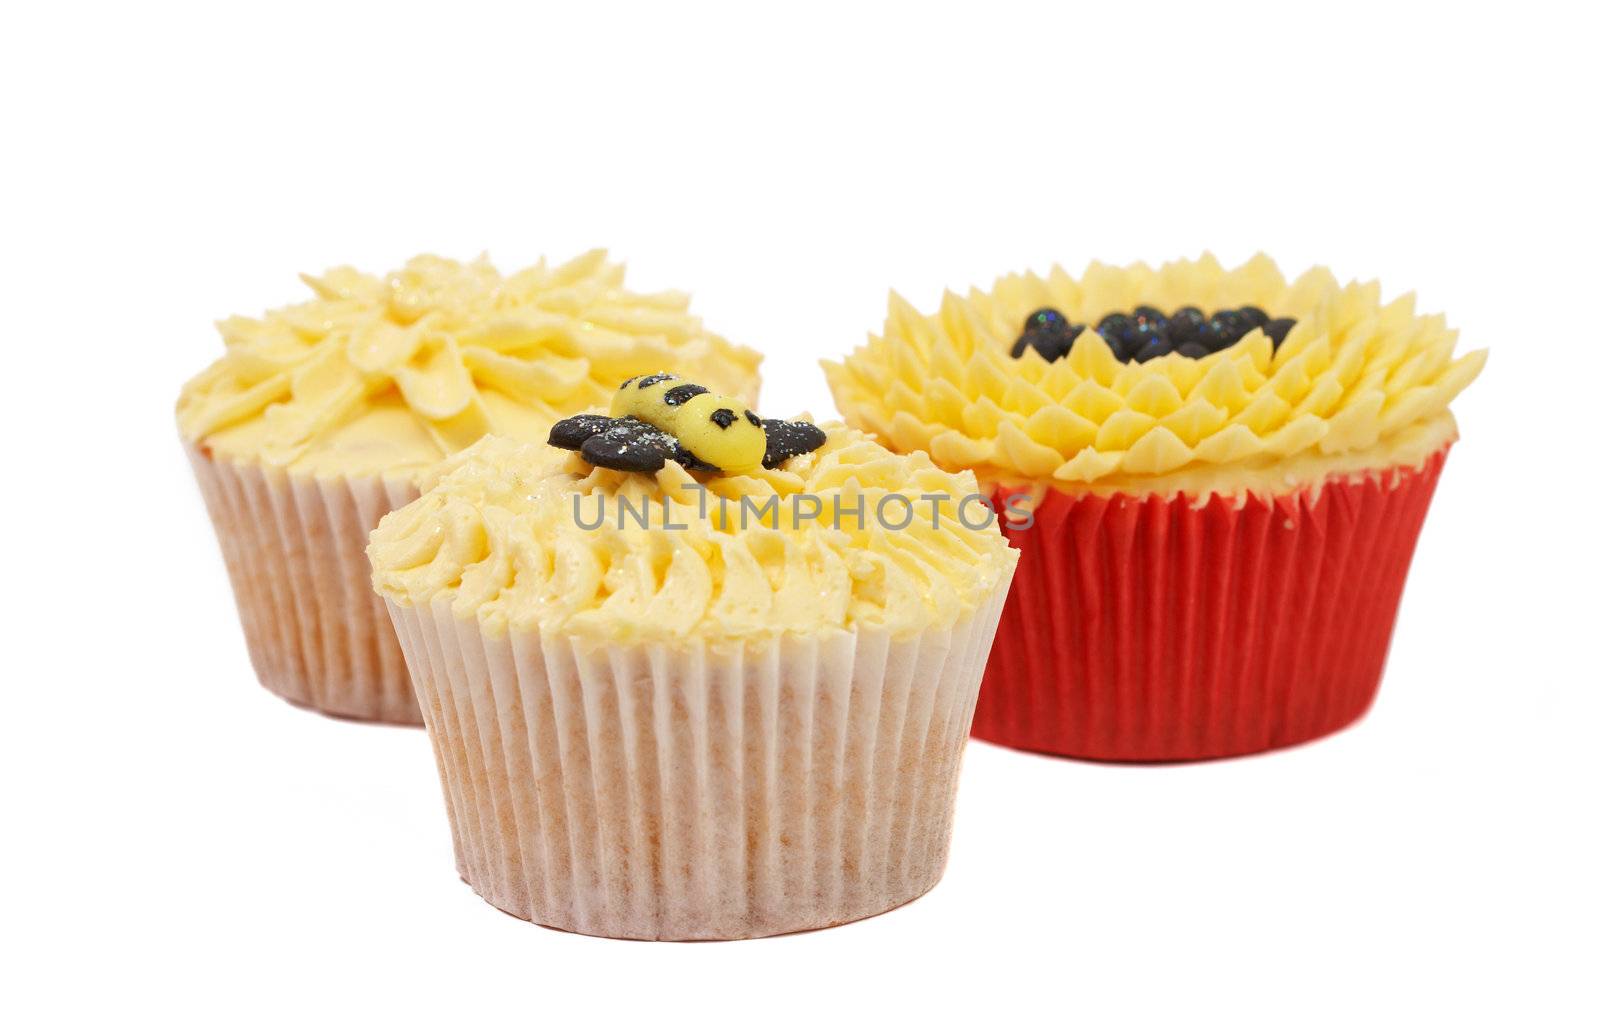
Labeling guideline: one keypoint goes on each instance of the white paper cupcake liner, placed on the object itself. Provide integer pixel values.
(682, 792)
(295, 548)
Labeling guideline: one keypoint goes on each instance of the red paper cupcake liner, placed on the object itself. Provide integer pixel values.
(1152, 628)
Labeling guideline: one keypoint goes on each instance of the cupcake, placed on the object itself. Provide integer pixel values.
(320, 416)
(1216, 479)
(691, 674)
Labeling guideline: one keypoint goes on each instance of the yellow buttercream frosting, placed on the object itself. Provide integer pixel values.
(1358, 384)
(524, 536)
(390, 375)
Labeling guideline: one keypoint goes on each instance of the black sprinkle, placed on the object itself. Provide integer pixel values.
(1145, 331)
(682, 393)
(1045, 319)
(752, 417)
(1231, 324)
(1124, 345)
(571, 433)
(1113, 326)
(1050, 343)
(786, 439)
(1186, 325)
(654, 379)
(1254, 316)
(723, 418)
(1224, 329)
(1154, 347)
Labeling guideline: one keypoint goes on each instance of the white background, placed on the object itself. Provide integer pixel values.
(175, 837)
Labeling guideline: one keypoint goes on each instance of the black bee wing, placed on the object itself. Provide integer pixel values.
(630, 445)
(610, 453)
(786, 439)
(572, 432)
(627, 444)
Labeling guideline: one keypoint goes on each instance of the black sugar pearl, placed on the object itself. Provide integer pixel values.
(1225, 328)
(1143, 331)
(1045, 319)
(1048, 332)
(1186, 325)
(1193, 350)
(1229, 318)
(1060, 344)
(1125, 345)
(1278, 330)
(1136, 337)
(1255, 317)
(1148, 314)
(1150, 350)
(1214, 335)
(1051, 345)
(786, 440)
(1114, 326)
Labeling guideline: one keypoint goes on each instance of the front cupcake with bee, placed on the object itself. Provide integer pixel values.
(646, 678)
(657, 418)
(1216, 478)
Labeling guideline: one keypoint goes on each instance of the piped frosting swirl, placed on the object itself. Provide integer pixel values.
(392, 374)
(1357, 383)
(525, 536)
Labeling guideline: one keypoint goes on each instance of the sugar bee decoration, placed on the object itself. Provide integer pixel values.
(659, 417)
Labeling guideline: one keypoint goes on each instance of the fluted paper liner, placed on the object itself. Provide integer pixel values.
(295, 548)
(686, 792)
(1152, 629)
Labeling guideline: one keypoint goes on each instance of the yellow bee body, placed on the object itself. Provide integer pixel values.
(716, 429)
